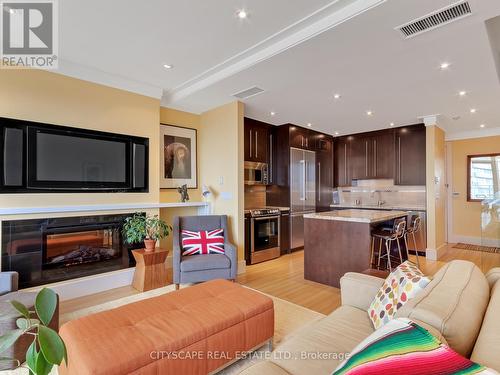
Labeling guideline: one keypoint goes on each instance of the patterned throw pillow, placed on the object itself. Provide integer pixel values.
(403, 347)
(203, 242)
(404, 283)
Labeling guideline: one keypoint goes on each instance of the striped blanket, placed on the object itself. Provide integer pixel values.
(403, 347)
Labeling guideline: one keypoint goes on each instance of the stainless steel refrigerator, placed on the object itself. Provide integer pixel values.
(302, 192)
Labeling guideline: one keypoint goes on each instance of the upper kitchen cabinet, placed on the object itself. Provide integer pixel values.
(257, 141)
(301, 138)
(324, 172)
(372, 155)
(382, 152)
(342, 169)
(410, 156)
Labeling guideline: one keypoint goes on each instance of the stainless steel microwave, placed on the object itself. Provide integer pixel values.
(256, 173)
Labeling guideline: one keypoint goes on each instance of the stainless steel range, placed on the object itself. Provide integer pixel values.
(264, 234)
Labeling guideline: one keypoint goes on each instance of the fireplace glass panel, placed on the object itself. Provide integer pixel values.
(82, 247)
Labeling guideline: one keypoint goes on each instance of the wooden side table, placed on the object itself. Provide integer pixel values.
(150, 270)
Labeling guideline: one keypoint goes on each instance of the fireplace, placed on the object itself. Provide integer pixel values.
(48, 250)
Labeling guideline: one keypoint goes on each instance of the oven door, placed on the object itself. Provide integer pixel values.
(265, 238)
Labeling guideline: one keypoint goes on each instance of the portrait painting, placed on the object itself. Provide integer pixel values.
(178, 161)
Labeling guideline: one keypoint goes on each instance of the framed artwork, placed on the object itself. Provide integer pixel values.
(178, 157)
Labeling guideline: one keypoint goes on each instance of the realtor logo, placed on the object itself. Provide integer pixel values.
(29, 34)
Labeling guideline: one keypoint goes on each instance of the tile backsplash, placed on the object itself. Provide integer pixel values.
(371, 192)
(255, 196)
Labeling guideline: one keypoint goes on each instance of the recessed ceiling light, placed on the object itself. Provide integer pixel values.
(168, 66)
(369, 113)
(336, 133)
(309, 124)
(242, 14)
(392, 124)
(445, 66)
(11, 11)
(462, 93)
(337, 96)
(473, 110)
(273, 113)
(482, 126)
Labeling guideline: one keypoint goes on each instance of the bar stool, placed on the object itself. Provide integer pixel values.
(415, 227)
(397, 233)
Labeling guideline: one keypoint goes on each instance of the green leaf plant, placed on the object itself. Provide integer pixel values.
(47, 348)
(139, 227)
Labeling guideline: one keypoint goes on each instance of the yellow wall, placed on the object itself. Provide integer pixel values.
(220, 159)
(466, 216)
(436, 191)
(187, 120)
(52, 98)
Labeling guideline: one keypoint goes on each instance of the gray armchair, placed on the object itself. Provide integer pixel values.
(199, 268)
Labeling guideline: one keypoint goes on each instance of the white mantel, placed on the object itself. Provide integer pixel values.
(202, 206)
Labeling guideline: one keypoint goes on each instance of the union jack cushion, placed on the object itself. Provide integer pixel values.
(204, 242)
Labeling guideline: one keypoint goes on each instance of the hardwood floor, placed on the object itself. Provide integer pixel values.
(284, 278)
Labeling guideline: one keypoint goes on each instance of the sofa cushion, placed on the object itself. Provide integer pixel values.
(205, 262)
(454, 303)
(487, 349)
(332, 337)
(402, 284)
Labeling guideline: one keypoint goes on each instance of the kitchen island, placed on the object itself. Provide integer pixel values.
(337, 242)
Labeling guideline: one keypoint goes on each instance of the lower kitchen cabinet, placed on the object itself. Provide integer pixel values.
(285, 233)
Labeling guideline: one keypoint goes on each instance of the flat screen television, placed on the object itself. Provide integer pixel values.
(56, 158)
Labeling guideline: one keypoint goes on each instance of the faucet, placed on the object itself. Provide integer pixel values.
(357, 202)
(381, 203)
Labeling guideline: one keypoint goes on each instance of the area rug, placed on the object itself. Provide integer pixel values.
(484, 249)
(289, 318)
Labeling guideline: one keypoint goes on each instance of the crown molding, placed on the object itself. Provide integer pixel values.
(324, 19)
(487, 132)
(72, 69)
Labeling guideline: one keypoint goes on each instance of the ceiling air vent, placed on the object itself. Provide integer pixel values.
(252, 91)
(436, 19)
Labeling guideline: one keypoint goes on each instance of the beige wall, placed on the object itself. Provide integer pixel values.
(436, 191)
(466, 216)
(220, 159)
(187, 120)
(48, 97)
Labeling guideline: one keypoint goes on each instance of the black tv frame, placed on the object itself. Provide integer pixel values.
(30, 185)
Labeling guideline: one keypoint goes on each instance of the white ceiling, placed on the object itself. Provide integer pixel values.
(300, 52)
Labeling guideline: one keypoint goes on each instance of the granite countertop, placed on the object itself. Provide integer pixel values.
(382, 208)
(358, 216)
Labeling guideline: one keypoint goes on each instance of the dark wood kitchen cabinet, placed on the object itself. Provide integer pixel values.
(359, 157)
(397, 154)
(285, 233)
(410, 160)
(342, 170)
(382, 148)
(324, 172)
(257, 138)
(301, 138)
(372, 155)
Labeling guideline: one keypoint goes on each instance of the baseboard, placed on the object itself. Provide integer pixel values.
(85, 286)
(434, 254)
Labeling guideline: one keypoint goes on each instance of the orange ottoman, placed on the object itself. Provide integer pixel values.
(196, 330)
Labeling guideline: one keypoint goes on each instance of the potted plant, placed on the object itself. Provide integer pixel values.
(47, 348)
(148, 229)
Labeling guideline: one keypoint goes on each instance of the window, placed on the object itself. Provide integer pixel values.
(483, 177)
